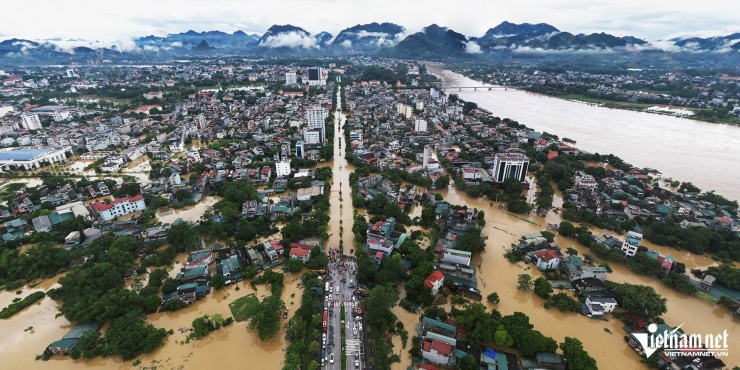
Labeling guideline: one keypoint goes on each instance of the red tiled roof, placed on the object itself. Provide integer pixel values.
(302, 246)
(428, 367)
(433, 278)
(427, 345)
(441, 347)
(299, 252)
(276, 245)
(100, 206)
(547, 256)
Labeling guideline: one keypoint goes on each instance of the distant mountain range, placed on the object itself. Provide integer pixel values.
(382, 39)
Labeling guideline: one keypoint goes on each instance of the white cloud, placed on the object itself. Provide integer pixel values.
(150, 48)
(25, 46)
(176, 44)
(347, 44)
(364, 33)
(472, 47)
(290, 39)
(652, 20)
(126, 45)
(528, 49)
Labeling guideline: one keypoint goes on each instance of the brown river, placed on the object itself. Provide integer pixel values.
(235, 347)
(684, 149)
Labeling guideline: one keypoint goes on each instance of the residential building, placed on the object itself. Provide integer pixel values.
(456, 257)
(119, 207)
(707, 283)
(291, 78)
(316, 119)
(300, 253)
(312, 137)
(436, 351)
(282, 169)
(201, 122)
(631, 243)
(547, 260)
(599, 306)
(31, 121)
(420, 125)
(304, 194)
(434, 281)
(585, 181)
(512, 163)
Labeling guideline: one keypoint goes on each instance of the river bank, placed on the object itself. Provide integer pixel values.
(669, 144)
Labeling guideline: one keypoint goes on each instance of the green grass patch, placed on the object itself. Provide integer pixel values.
(706, 297)
(16, 307)
(243, 308)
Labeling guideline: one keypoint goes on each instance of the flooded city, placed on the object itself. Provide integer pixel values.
(27, 333)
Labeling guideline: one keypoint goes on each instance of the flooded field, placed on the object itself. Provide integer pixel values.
(191, 214)
(233, 347)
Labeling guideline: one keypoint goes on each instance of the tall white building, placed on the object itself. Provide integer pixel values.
(200, 122)
(312, 137)
(631, 243)
(30, 121)
(420, 125)
(291, 78)
(316, 119)
(282, 169)
(512, 163)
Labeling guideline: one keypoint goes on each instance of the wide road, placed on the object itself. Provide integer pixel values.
(342, 271)
(343, 278)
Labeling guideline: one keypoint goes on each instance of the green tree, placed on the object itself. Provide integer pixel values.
(378, 308)
(502, 337)
(518, 205)
(468, 363)
(643, 300)
(575, 356)
(442, 182)
(129, 336)
(266, 317)
(493, 298)
(513, 187)
(542, 288)
(294, 264)
(524, 282)
(566, 229)
(218, 282)
(170, 285)
(571, 251)
(314, 365)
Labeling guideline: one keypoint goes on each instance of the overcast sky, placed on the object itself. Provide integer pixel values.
(108, 20)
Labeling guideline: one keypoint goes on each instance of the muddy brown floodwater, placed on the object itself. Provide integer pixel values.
(233, 347)
(496, 274)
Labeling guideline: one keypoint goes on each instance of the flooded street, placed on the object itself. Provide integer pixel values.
(340, 200)
(191, 214)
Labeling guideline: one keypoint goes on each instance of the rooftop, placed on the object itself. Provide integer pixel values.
(14, 154)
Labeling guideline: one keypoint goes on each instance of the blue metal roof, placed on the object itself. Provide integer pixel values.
(23, 154)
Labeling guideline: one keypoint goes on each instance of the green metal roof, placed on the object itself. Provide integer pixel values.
(439, 324)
